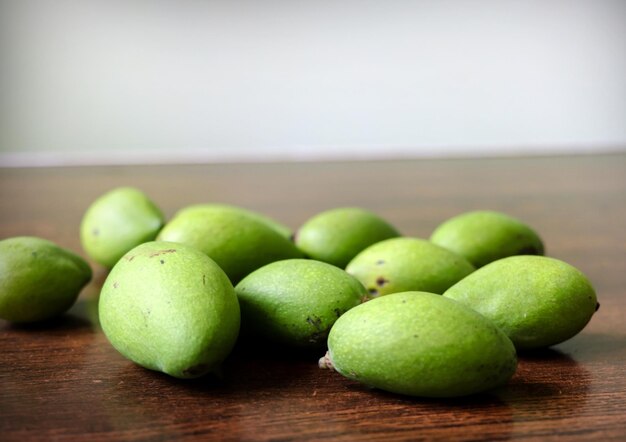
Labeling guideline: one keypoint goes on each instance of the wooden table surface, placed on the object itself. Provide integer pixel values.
(63, 381)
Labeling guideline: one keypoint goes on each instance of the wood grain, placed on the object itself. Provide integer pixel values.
(62, 380)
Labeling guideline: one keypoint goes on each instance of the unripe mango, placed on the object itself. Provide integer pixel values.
(484, 236)
(338, 235)
(118, 221)
(537, 301)
(296, 301)
(273, 224)
(170, 308)
(38, 279)
(408, 264)
(420, 344)
(237, 241)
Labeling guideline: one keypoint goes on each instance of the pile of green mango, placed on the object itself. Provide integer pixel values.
(437, 317)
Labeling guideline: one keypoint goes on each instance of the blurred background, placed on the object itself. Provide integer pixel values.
(115, 82)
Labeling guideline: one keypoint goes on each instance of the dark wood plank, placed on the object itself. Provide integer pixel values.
(63, 381)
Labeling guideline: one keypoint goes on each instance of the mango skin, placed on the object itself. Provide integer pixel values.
(296, 301)
(116, 222)
(536, 300)
(38, 279)
(485, 236)
(237, 241)
(420, 344)
(168, 307)
(407, 264)
(338, 235)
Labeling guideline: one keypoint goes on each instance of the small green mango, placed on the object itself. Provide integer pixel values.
(279, 227)
(237, 241)
(118, 221)
(408, 264)
(338, 235)
(537, 301)
(38, 279)
(420, 344)
(484, 236)
(296, 301)
(170, 308)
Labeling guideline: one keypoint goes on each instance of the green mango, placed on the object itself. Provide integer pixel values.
(279, 227)
(170, 308)
(537, 301)
(420, 344)
(338, 235)
(38, 279)
(296, 301)
(484, 236)
(118, 221)
(407, 264)
(238, 241)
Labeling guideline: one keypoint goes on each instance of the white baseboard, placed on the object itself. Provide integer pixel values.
(292, 154)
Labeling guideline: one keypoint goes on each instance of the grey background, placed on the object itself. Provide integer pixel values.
(157, 81)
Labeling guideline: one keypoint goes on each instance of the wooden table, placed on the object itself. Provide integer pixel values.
(63, 381)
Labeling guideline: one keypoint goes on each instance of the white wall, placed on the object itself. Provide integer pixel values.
(126, 81)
